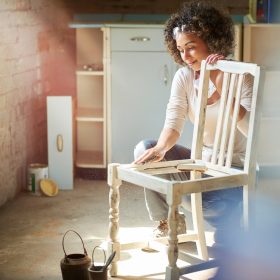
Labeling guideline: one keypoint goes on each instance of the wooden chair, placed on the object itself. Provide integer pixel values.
(221, 174)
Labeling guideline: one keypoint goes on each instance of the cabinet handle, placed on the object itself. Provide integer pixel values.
(165, 75)
(140, 39)
(59, 142)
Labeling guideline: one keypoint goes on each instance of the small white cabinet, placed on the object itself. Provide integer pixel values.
(60, 140)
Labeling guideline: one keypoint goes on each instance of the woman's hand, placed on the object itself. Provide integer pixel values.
(213, 58)
(216, 75)
(154, 154)
(167, 139)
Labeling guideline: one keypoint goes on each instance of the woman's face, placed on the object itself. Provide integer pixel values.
(192, 49)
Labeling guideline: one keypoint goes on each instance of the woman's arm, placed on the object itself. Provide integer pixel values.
(166, 141)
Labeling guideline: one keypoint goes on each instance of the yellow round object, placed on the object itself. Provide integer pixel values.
(48, 187)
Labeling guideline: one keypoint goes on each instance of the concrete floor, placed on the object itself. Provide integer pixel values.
(32, 228)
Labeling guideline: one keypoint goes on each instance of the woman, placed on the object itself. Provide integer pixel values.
(197, 32)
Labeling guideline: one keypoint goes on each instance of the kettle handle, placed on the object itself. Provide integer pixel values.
(85, 251)
(104, 254)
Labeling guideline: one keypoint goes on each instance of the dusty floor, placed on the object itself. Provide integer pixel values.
(32, 228)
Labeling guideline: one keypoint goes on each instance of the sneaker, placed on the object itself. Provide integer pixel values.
(181, 227)
(162, 229)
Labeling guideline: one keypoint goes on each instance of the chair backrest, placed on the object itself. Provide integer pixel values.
(225, 134)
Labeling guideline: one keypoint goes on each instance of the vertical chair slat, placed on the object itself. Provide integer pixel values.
(225, 131)
(198, 130)
(218, 132)
(234, 121)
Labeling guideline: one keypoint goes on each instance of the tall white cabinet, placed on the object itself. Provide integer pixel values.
(261, 46)
(140, 81)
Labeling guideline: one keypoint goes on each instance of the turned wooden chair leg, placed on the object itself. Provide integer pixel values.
(172, 271)
(114, 201)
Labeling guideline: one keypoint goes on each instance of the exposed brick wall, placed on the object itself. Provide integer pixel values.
(37, 58)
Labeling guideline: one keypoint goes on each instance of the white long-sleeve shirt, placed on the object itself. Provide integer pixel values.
(182, 104)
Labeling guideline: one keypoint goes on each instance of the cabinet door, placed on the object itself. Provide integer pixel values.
(261, 46)
(140, 90)
(60, 140)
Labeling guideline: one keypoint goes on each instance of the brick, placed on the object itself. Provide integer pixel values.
(7, 67)
(17, 95)
(23, 5)
(39, 4)
(3, 102)
(24, 18)
(26, 63)
(6, 84)
(17, 112)
(37, 87)
(28, 33)
(24, 79)
(15, 51)
(7, 5)
(25, 48)
(5, 52)
(9, 35)
(5, 19)
(43, 41)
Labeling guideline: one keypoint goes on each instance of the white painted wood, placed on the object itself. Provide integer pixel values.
(233, 67)
(89, 47)
(226, 121)
(140, 85)
(269, 139)
(260, 37)
(218, 133)
(222, 176)
(138, 94)
(238, 29)
(89, 73)
(60, 122)
(90, 114)
(172, 249)
(198, 225)
(161, 164)
(234, 120)
(105, 94)
(168, 166)
(89, 159)
(137, 39)
(114, 200)
(197, 141)
(257, 38)
(91, 99)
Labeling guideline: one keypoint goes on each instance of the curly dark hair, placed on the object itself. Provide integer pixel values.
(213, 26)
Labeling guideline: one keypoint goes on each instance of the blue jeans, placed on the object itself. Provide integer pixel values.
(219, 207)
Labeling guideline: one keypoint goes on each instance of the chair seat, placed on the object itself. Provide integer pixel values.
(144, 175)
